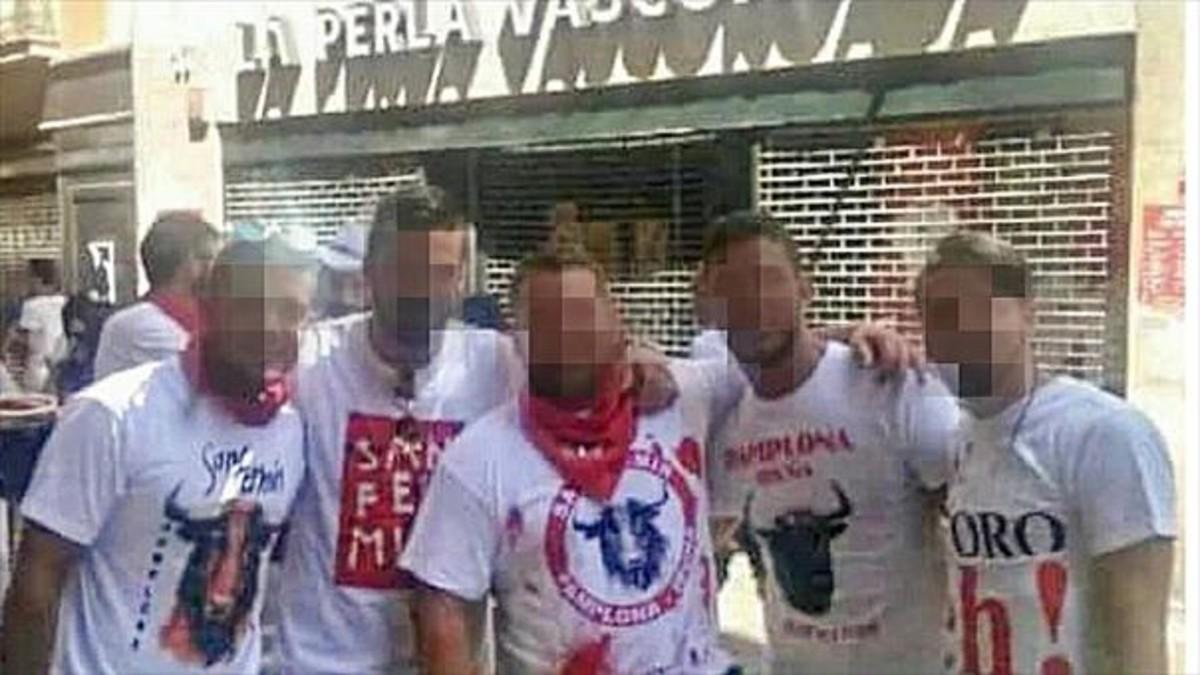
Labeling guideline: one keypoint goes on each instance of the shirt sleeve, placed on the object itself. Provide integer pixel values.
(929, 422)
(454, 541)
(1123, 484)
(80, 475)
(725, 383)
(31, 319)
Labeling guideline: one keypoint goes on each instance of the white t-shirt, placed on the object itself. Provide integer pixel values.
(343, 604)
(41, 316)
(568, 572)
(830, 480)
(140, 333)
(1087, 475)
(177, 507)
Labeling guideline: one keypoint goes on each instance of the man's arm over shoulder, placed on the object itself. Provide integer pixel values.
(929, 422)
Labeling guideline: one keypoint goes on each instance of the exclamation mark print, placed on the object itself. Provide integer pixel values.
(1052, 589)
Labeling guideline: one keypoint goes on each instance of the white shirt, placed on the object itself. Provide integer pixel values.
(569, 572)
(344, 604)
(158, 485)
(829, 480)
(1087, 475)
(140, 333)
(41, 316)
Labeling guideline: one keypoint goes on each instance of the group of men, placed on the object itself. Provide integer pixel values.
(569, 493)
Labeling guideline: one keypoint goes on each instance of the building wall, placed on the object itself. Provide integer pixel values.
(1157, 337)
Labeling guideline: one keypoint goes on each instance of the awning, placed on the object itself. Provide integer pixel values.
(918, 90)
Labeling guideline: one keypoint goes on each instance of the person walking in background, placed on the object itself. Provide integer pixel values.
(341, 287)
(38, 342)
(161, 490)
(177, 255)
(1061, 520)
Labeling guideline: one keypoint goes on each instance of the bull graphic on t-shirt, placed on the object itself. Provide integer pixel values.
(631, 546)
(799, 544)
(220, 580)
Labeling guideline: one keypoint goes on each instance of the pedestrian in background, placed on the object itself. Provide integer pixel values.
(341, 287)
(38, 339)
(177, 255)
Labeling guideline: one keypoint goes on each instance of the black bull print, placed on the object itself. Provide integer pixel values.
(799, 543)
(220, 581)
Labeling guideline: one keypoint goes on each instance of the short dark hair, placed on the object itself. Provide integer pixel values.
(554, 258)
(414, 208)
(45, 270)
(174, 238)
(739, 226)
(1011, 274)
(273, 251)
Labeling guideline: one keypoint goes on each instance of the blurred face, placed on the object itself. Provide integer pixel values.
(569, 326)
(342, 293)
(254, 315)
(978, 340)
(757, 295)
(416, 284)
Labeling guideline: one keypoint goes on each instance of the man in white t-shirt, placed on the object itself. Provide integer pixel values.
(40, 326)
(1061, 502)
(827, 473)
(583, 518)
(382, 393)
(177, 254)
(161, 490)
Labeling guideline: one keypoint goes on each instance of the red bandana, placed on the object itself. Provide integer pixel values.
(254, 411)
(605, 430)
(182, 309)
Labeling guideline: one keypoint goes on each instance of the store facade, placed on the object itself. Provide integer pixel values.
(869, 131)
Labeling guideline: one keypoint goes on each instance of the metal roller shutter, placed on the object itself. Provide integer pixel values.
(322, 195)
(29, 228)
(622, 185)
(865, 208)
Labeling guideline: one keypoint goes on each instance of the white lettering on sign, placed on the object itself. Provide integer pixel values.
(543, 45)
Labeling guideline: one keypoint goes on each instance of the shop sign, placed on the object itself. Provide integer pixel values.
(309, 59)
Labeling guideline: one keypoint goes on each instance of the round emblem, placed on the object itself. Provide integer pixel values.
(625, 562)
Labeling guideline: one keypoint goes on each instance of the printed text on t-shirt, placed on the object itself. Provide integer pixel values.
(780, 458)
(387, 465)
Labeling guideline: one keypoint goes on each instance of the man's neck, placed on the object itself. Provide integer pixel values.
(1018, 384)
(176, 288)
(393, 354)
(573, 386)
(776, 380)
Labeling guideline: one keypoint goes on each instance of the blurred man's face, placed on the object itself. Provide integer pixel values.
(342, 293)
(569, 325)
(254, 316)
(416, 285)
(976, 338)
(757, 295)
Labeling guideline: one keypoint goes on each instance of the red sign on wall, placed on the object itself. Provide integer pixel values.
(1161, 283)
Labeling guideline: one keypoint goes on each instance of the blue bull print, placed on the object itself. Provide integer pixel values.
(220, 580)
(631, 546)
(799, 544)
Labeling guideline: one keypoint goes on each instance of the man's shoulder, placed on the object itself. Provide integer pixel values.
(1081, 410)
(140, 316)
(486, 445)
(143, 389)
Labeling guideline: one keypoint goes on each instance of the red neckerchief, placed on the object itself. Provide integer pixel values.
(183, 310)
(255, 411)
(607, 428)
